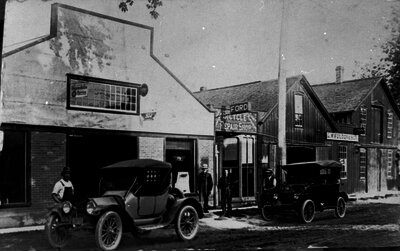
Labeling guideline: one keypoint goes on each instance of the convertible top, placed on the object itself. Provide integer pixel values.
(139, 164)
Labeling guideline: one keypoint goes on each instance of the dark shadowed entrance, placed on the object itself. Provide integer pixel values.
(87, 153)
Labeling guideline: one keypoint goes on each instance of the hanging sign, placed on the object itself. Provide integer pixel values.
(148, 115)
(241, 123)
(341, 137)
(239, 108)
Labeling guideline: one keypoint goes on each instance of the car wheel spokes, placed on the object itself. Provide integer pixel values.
(110, 231)
(188, 222)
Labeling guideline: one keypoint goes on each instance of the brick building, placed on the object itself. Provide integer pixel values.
(89, 93)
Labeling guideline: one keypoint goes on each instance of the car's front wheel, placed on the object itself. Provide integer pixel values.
(57, 235)
(307, 211)
(266, 213)
(187, 223)
(340, 209)
(109, 231)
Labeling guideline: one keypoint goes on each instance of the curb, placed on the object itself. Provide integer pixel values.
(21, 229)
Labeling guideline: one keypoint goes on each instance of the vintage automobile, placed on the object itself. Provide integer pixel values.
(136, 197)
(306, 187)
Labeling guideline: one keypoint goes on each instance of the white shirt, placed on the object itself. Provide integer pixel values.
(59, 188)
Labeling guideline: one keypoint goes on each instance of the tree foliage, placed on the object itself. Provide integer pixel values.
(152, 5)
(388, 66)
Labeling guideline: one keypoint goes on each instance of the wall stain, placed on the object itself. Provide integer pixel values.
(86, 42)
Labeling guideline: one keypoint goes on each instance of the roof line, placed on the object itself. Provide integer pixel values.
(347, 81)
(229, 86)
(367, 94)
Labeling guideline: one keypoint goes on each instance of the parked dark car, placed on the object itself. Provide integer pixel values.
(136, 197)
(306, 187)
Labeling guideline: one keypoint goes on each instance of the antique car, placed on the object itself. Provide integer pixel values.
(136, 196)
(306, 187)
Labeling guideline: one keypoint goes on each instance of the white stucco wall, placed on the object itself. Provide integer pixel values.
(34, 89)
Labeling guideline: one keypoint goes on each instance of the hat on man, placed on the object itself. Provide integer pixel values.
(66, 170)
(268, 172)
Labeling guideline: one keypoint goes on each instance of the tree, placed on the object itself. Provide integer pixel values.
(388, 66)
(151, 5)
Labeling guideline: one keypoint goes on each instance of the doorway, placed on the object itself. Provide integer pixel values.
(88, 153)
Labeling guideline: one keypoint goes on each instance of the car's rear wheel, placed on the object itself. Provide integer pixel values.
(57, 235)
(307, 211)
(340, 209)
(187, 223)
(109, 231)
(266, 213)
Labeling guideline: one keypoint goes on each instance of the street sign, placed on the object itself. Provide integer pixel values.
(341, 137)
(240, 108)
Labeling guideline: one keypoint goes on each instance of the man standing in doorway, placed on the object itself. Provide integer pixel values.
(63, 190)
(205, 186)
(225, 185)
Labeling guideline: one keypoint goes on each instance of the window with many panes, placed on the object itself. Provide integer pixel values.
(14, 173)
(389, 164)
(298, 111)
(389, 133)
(86, 93)
(363, 119)
(343, 161)
(363, 163)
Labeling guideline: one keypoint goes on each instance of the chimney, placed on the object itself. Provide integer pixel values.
(339, 74)
(203, 88)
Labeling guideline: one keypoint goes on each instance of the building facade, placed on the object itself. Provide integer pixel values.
(367, 114)
(248, 140)
(88, 94)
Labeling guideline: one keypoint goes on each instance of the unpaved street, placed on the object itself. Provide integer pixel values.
(366, 225)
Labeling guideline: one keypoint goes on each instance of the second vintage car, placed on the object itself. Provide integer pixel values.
(136, 197)
(306, 187)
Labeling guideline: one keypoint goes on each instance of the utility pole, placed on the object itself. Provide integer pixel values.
(282, 88)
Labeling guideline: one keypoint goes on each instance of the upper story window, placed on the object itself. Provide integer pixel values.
(343, 118)
(363, 119)
(298, 110)
(86, 93)
(389, 133)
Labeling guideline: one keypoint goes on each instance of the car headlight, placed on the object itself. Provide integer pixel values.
(90, 206)
(275, 196)
(296, 196)
(66, 207)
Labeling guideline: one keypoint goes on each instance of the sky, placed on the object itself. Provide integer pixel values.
(215, 43)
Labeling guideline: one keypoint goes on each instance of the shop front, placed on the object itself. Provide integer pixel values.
(58, 110)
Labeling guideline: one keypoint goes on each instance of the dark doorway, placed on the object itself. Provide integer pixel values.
(300, 154)
(180, 153)
(88, 153)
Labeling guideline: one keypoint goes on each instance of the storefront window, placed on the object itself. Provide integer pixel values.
(389, 164)
(343, 160)
(363, 163)
(13, 169)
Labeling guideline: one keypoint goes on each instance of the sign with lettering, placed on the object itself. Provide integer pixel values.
(148, 115)
(341, 137)
(241, 123)
(239, 108)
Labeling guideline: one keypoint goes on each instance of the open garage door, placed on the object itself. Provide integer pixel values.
(88, 153)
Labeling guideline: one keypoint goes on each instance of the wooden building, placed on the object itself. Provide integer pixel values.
(365, 109)
(89, 93)
(248, 140)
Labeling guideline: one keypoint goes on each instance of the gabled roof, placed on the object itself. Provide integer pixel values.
(346, 96)
(263, 96)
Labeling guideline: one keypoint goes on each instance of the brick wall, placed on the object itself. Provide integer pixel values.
(48, 157)
(152, 148)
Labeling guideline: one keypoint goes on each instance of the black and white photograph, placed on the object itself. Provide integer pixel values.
(199, 125)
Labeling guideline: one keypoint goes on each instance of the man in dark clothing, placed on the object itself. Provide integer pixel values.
(205, 186)
(269, 179)
(225, 185)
